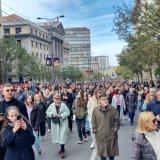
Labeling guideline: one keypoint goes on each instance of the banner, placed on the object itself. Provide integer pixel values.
(56, 62)
(48, 61)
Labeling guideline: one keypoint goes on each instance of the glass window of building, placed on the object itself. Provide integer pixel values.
(40, 45)
(36, 32)
(32, 43)
(18, 30)
(19, 41)
(7, 31)
(31, 30)
(40, 34)
(36, 44)
(37, 54)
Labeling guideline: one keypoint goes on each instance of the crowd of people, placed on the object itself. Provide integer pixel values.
(98, 109)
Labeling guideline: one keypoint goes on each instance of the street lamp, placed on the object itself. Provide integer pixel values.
(51, 21)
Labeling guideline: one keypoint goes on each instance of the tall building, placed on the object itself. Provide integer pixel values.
(80, 47)
(102, 61)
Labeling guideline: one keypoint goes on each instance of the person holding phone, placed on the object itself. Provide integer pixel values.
(9, 100)
(17, 136)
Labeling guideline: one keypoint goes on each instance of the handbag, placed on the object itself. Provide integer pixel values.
(55, 120)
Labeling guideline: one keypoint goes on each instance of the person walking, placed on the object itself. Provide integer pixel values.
(131, 100)
(119, 103)
(146, 139)
(59, 113)
(42, 111)
(79, 108)
(9, 100)
(34, 119)
(105, 126)
(92, 103)
(17, 136)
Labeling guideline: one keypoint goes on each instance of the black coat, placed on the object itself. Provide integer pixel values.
(14, 102)
(18, 145)
(35, 118)
(42, 111)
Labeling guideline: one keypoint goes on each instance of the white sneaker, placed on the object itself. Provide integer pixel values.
(49, 130)
(86, 139)
(129, 120)
(92, 145)
(124, 117)
(80, 142)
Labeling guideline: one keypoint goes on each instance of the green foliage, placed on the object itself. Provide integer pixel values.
(18, 63)
(72, 73)
(139, 26)
(124, 73)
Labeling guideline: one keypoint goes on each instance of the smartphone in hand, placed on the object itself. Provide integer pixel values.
(1, 114)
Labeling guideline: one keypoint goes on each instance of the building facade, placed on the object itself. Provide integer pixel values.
(80, 47)
(66, 54)
(32, 37)
(101, 61)
(55, 32)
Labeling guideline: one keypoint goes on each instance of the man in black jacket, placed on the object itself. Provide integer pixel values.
(68, 99)
(8, 101)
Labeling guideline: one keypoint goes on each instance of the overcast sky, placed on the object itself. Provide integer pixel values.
(94, 14)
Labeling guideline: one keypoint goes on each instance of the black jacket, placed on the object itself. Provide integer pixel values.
(35, 118)
(42, 111)
(14, 102)
(18, 145)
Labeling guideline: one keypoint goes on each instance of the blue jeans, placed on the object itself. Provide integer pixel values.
(49, 122)
(81, 128)
(139, 105)
(87, 127)
(109, 158)
(131, 117)
(37, 143)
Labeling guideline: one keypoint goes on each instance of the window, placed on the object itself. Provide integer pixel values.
(18, 30)
(44, 56)
(43, 35)
(36, 44)
(7, 31)
(40, 34)
(43, 46)
(37, 54)
(32, 43)
(19, 41)
(40, 45)
(31, 30)
(36, 32)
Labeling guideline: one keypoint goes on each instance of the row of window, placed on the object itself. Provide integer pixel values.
(40, 55)
(37, 33)
(39, 45)
(18, 30)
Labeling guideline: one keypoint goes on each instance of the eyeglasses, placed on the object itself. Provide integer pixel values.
(105, 99)
(154, 120)
(7, 90)
(57, 98)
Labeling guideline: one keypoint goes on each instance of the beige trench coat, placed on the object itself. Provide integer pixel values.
(105, 124)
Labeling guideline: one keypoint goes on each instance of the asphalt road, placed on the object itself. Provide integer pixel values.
(75, 151)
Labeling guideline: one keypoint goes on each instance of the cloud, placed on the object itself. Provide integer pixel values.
(93, 14)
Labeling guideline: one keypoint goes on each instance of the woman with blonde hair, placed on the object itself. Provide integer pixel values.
(148, 98)
(146, 140)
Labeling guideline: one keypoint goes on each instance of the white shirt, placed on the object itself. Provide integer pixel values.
(154, 140)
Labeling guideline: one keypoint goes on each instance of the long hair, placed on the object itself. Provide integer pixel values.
(81, 102)
(143, 119)
(6, 115)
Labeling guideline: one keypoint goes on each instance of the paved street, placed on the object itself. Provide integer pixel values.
(82, 151)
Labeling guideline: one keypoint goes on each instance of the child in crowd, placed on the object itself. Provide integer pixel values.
(17, 136)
